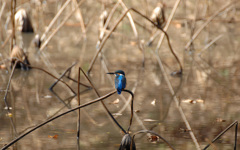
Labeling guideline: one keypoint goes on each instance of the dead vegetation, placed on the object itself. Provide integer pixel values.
(179, 52)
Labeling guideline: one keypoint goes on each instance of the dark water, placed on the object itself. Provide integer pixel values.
(208, 91)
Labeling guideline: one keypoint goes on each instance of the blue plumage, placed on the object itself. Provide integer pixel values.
(120, 80)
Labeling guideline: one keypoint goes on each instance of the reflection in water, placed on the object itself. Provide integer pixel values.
(207, 91)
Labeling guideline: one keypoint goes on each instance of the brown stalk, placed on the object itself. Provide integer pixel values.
(177, 103)
(13, 9)
(55, 19)
(165, 34)
(60, 115)
(223, 132)
(151, 132)
(210, 19)
(115, 26)
(8, 85)
(83, 28)
(79, 113)
(102, 31)
(109, 113)
(59, 27)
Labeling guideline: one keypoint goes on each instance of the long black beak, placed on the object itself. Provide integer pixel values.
(111, 73)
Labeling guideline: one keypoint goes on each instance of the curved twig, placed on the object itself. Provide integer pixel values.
(79, 112)
(102, 31)
(165, 33)
(220, 134)
(33, 67)
(207, 22)
(8, 85)
(147, 131)
(177, 103)
(53, 85)
(59, 27)
(60, 115)
(109, 113)
(55, 19)
(130, 122)
(115, 26)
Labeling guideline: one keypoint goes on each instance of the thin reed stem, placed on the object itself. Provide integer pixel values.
(54, 19)
(8, 85)
(60, 115)
(131, 118)
(208, 21)
(67, 70)
(115, 26)
(223, 132)
(59, 27)
(148, 131)
(79, 114)
(105, 107)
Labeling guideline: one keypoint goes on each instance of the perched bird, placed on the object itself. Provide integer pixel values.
(120, 80)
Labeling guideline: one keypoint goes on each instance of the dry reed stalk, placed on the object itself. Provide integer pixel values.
(6, 40)
(2, 8)
(80, 17)
(126, 101)
(1, 12)
(209, 44)
(99, 49)
(223, 132)
(102, 31)
(103, 104)
(151, 132)
(168, 82)
(210, 19)
(13, 9)
(177, 104)
(140, 46)
(55, 19)
(79, 102)
(59, 27)
(8, 86)
(130, 19)
(60, 115)
(167, 25)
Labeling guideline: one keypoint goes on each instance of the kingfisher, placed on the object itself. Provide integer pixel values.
(120, 80)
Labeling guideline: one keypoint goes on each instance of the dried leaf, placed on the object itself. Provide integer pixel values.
(149, 120)
(199, 100)
(53, 137)
(193, 101)
(136, 111)
(178, 25)
(153, 138)
(116, 101)
(133, 43)
(9, 114)
(220, 120)
(184, 130)
(117, 114)
(3, 66)
(47, 96)
(153, 102)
